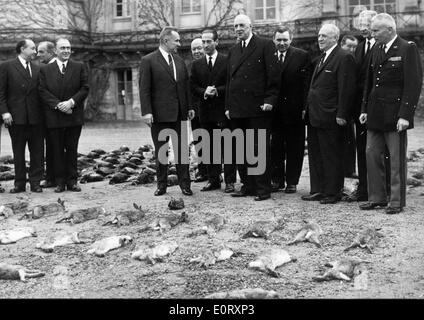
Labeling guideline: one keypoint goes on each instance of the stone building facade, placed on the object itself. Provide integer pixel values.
(112, 35)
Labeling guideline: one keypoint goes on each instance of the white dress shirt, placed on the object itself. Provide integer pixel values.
(165, 56)
(24, 64)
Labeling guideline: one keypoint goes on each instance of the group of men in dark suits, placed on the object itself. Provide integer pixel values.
(46, 102)
(379, 90)
(273, 88)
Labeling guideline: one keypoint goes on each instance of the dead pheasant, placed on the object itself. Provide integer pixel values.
(155, 253)
(343, 269)
(310, 232)
(256, 293)
(82, 215)
(127, 217)
(176, 204)
(270, 260)
(263, 228)
(367, 239)
(45, 210)
(15, 272)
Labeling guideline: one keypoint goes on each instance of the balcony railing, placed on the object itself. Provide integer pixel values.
(412, 22)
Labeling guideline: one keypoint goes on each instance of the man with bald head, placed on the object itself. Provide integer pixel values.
(362, 57)
(22, 113)
(46, 54)
(197, 53)
(329, 105)
(392, 89)
(63, 89)
(251, 94)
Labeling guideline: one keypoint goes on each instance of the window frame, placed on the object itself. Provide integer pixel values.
(126, 9)
(191, 12)
(264, 11)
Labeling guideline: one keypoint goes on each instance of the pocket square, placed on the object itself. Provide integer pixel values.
(329, 71)
(395, 59)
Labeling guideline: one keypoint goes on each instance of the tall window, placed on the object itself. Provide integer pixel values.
(122, 8)
(125, 95)
(265, 9)
(190, 6)
(356, 6)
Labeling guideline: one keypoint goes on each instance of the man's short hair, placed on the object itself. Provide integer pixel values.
(49, 46)
(166, 31)
(283, 29)
(21, 44)
(367, 14)
(57, 41)
(214, 33)
(333, 28)
(244, 17)
(348, 37)
(385, 19)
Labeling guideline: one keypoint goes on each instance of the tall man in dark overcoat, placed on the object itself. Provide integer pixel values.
(392, 89)
(21, 112)
(252, 89)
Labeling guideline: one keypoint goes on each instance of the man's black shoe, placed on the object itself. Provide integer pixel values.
(276, 186)
(47, 184)
(160, 191)
(59, 188)
(187, 192)
(372, 205)
(74, 188)
(313, 197)
(393, 210)
(330, 200)
(17, 189)
(36, 189)
(262, 197)
(211, 186)
(200, 178)
(229, 187)
(242, 193)
(290, 189)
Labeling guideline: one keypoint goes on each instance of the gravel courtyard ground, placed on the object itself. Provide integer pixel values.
(395, 268)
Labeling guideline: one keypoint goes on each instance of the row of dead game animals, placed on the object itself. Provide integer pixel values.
(268, 261)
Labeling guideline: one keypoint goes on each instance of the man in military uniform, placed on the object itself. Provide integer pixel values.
(391, 93)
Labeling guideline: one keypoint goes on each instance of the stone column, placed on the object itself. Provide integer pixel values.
(136, 108)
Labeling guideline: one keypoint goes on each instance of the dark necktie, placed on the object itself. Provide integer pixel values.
(243, 46)
(368, 47)
(321, 61)
(28, 70)
(210, 63)
(63, 68)
(171, 65)
(281, 58)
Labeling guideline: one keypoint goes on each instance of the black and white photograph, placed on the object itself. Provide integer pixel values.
(212, 154)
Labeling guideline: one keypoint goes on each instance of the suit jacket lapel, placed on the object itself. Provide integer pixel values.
(247, 52)
(18, 65)
(318, 70)
(165, 64)
(216, 65)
